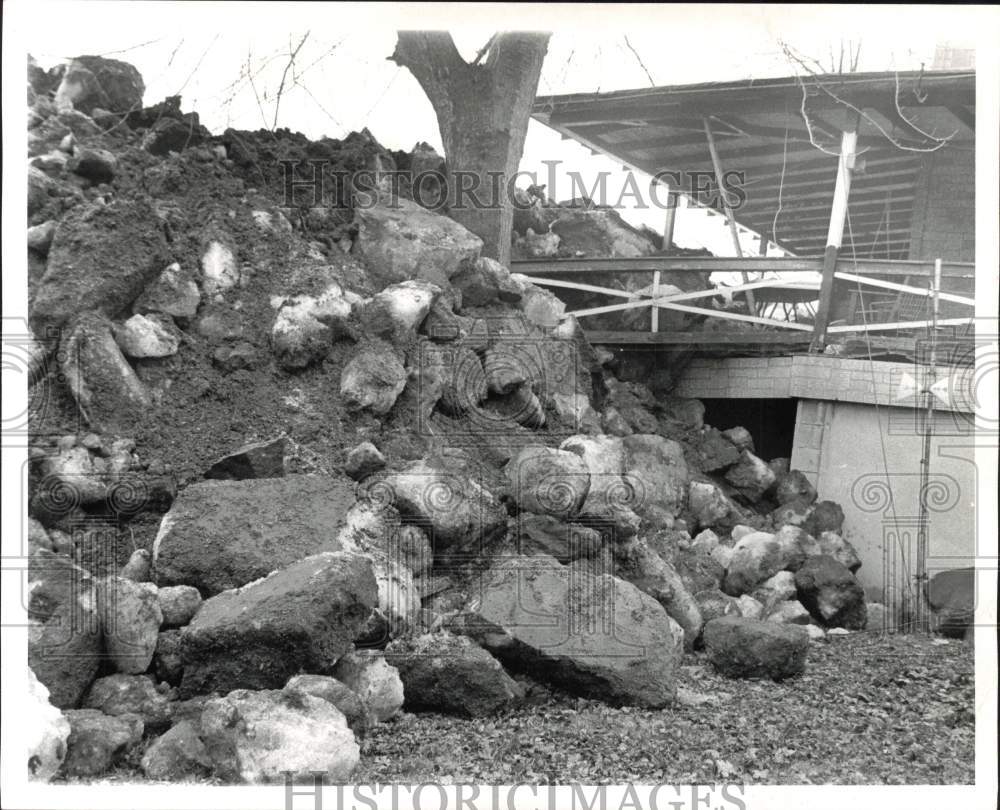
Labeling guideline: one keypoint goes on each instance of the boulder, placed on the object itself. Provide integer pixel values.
(373, 379)
(178, 604)
(533, 614)
(224, 534)
(96, 165)
(412, 547)
(749, 607)
(398, 311)
(97, 741)
(746, 648)
(53, 580)
(143, 336)
(256, 460)
(177, 755)
(775, 589)
(794, 513)
(167, 663)
(711, 452)
(756, 557)
(709, 506)
(547, 481)
(713, 603)
(952, 597)
(108, 393)
(270, 736)
(740, 437)
(816, 633)
(612, 498)
(362, 460)
(90, 82)
(120, 694)
(405, 241)
(451, 675)
(796, 546)
(139, 566)
(750, 476)
(373, 680)
(789, 611)
(651, 574)
(302, 618)
(826, 516)
(40, 237)
(486, 282)
(541, 307)
(219, 270)
(171, 135)
(102, 257)
(65, 652)
(834, 545)
(47, 733)
(544, 534)
(174, 292)
(705, 541)
(130, 622)
(657, 466)
(794, 486)
(359, 719)
(830, 593)
(306, 326)
(456, 512)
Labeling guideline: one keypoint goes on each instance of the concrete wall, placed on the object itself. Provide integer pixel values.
(858, 435)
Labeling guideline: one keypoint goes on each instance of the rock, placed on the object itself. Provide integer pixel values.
(219, 270)
(359, 720)
(453, 375)
(952, 597)
(405, 241)
(651, 574)
(40, 237)
(796, 546)
(96, 81)
(532, 614)
(73, 474)
(167, 663)
(656, 466)
(108, 393)
(756, 557)
(745, 648)
(178, 604)
(299, 619)
(611, 499)
(709, 506)
(775, 589)
(363, 460)
(740, 437)
(372, 679)
(711, 452)
(144, 336)
(751, 477)
(816, 633)
(96, 165)
(174, 292)
(451, 675)
(457, 512)
(224, 534)
(47, 733)
(544, 534)
(306, 327)
(794, 486)
(269, 736)
(837, 631)
(830, 593)
(66, 651)
(97, 741)
(713, 603)
(487, 282)
(256, 460)
(412, 548)
(238, 356)
(826, 516)
(102, 257)
(397, 311)
(120, 694)
(842, 551)
(749, 607)
(177, 755)
(220, 323)
(170, 135)
(541, 307)
(547, 481)
(723, 555)
(509, 365)
(130, 622)
(794, 513)
(740, 531)
(789, 612)
(373, 378)
(138, 566)
(705, 541)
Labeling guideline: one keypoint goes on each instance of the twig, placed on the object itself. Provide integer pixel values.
(639, 60)
(484, 49)
(284, 75)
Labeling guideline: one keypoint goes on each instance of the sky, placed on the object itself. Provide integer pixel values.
(228, 62)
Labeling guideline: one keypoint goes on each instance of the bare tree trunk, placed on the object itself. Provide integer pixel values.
(482, 110)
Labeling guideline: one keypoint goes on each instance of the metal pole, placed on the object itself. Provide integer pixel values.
(922, 617)
(717, 166)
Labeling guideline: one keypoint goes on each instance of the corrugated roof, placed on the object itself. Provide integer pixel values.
(762, 129)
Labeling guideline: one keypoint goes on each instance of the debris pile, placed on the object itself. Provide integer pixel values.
(298, 465)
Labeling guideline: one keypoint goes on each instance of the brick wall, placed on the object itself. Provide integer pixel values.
(943, 222)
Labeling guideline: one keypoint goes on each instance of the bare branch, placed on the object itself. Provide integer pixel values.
(639, 60)
(284, 75)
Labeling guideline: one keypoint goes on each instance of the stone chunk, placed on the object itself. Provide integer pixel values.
(746, 648)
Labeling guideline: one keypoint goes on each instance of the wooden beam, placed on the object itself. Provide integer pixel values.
(889, 285)
(729, 339)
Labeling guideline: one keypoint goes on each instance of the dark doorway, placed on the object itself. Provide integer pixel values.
(771, 422)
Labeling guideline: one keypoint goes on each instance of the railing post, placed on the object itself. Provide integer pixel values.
(834, 236)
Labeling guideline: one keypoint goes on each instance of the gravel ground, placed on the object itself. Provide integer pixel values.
(869, 710)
